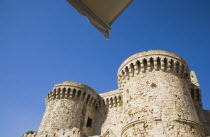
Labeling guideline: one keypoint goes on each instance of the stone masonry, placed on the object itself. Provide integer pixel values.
(158, 96)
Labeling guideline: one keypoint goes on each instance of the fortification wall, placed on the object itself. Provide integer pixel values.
(207, 122)
(62, 114)
(161, 129)
(204, 115)
(195, 90)
(156, 94)
(109, 114)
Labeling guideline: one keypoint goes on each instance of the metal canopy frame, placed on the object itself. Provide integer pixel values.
(95, 20)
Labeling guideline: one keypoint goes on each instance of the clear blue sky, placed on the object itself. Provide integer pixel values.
(44, 42)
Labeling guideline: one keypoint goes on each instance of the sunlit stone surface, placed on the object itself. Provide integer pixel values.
(158, 96)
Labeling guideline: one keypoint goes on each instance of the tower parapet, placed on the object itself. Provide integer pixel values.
(69, 105)
(153, 60)
(111, 99)
(73, 90)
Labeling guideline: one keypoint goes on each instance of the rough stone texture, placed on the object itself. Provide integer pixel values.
(109, 114)
(68, 106)
(157, 97)
(74, 132)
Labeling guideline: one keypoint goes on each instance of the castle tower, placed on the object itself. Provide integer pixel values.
(157, 99)
(70, 110)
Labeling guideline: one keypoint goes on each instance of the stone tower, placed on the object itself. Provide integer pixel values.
(68, 105)
(158, 96)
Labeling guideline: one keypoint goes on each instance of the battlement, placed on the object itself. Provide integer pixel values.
(196, 95)
(195, 90)
(73, 90)
(111, 99)
(154, 60)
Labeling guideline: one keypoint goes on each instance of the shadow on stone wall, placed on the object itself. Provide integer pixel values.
(100, 117)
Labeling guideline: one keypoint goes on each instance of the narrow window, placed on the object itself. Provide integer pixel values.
(79, 93)
(127, 71)
(165, 64)
(172, 65)
(198, 95)
(145, 65)
(89, 123)
(138, 66)
(192, 93)
(158, 64)
(132, 68)
(152, 63)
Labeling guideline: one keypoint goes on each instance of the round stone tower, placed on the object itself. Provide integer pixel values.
(69, 106)
(156, 96)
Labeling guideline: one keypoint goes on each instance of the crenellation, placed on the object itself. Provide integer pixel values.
(111, 99)
(153, 62)
(70, 93)
(157, 95)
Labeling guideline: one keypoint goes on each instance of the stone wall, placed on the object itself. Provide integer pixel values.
(204, 116)
(158, 96)
(206, 122)
(69, 106)
(156, 93)
(62, 114)
(74, 132)
(109, 115)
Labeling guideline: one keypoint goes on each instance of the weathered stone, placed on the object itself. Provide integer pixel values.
(157, 97)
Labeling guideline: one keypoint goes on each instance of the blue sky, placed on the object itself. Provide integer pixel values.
(45, 42)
